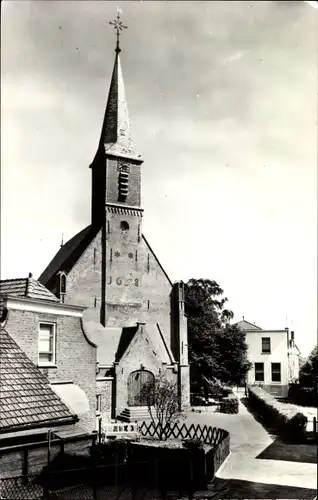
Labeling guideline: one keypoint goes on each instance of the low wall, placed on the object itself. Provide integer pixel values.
(31, 459)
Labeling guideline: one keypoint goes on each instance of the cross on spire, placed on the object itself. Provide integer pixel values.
(118, 26)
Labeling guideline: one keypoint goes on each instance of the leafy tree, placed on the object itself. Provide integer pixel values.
(308, 373)
(217, 349)
(163, 402)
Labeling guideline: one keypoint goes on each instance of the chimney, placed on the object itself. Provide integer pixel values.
(30, 275)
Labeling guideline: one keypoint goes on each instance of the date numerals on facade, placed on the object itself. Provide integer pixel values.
(123, 281)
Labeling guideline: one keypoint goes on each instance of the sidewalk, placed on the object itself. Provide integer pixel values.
(248, 439)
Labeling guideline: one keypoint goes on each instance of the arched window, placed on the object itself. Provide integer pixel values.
(61, 285)
(124, 226)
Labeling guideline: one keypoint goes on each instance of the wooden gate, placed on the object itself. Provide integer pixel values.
(136, 381)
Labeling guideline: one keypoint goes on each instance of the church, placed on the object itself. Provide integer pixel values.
(132, 311)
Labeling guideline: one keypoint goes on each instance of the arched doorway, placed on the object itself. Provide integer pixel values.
(136, 381)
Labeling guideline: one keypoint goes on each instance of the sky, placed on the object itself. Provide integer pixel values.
(222, 98)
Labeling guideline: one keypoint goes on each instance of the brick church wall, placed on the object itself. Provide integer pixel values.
(104, 388)
(75, 356)
(137, 289)
(140, 352)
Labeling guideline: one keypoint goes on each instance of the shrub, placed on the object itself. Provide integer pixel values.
(296, 427)
(304, 396)
(229, 404)
(112, 451)
(285, 418)
(192, 444)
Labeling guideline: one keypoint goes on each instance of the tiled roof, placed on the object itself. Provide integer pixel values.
(246, 325)
(24, 287)
(26, 399)
(68, 255)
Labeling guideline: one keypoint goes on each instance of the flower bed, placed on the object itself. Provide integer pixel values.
(285, 418)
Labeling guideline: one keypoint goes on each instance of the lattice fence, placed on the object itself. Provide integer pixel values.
(206, 434)
(20, 487)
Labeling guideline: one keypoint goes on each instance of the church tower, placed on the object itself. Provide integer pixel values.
(116, 168)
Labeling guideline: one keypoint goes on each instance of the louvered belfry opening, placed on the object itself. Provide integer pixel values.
(123, 181)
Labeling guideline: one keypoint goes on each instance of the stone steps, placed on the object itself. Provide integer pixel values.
(134, 414)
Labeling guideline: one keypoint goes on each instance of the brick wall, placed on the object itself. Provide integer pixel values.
(104, 388)
(134, 182)
(137, 289)
(75, 356)
(139, 353)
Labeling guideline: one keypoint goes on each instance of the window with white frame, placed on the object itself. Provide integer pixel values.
(266, 345)
(259, 372)
(46, 344)
(98, 403)
(276, 372)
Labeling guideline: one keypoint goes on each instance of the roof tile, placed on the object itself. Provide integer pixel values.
(32, 401)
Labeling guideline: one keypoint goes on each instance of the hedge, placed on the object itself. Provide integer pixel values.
(229, 404)
(304, 396)
(284, 417)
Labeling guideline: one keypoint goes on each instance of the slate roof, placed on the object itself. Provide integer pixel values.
(24, 287)
(26, 399)
(68, 255)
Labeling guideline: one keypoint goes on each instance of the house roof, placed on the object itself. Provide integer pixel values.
(24, 287)
(26, 399)
(68, 255)
(246, 325)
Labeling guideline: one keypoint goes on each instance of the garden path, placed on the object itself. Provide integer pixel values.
(248, 439)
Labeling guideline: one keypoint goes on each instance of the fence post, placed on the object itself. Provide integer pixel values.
(49, 446)
(100, 430)
(116, 467)
(25, 466)
(191, 486)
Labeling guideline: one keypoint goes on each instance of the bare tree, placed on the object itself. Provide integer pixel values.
(163, 403)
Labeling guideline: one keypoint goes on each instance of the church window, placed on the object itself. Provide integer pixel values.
(99, 403)
(108, 226)
(124, 226)
(136, 256)
(148, 263)
(46, 344)
(111, 255)
(61, 285)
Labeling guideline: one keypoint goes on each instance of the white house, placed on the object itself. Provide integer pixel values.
(274, 357)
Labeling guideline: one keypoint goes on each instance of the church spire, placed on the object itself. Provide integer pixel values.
(116, 132)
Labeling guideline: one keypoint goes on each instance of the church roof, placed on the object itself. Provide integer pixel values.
(113, 342)
(68, 254)
(24, 287)
(26, 399)
(115, 136)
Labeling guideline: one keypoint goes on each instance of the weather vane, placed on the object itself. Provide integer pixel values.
(118, 26)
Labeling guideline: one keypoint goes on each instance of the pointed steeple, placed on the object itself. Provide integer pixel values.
(116, 131)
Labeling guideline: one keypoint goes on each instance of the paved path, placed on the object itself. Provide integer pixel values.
(248, 439)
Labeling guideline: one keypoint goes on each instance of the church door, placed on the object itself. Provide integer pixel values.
(136, 381)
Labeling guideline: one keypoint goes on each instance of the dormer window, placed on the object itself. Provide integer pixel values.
(61, 285)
